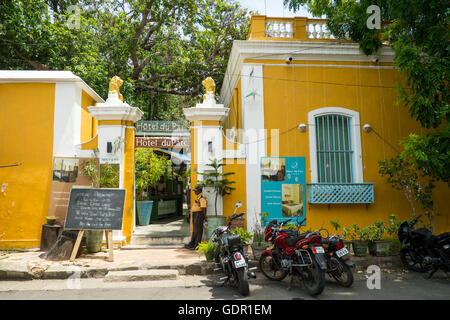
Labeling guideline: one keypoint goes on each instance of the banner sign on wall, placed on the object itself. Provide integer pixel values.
(283, 188)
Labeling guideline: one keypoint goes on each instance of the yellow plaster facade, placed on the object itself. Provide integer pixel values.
(26, 139)
(45, 115)
(289, 78)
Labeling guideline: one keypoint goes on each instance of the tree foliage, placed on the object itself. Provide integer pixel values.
(149, 169)
(162, 49)
(216, 179)
(418, 31)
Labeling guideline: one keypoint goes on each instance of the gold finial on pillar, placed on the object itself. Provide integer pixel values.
(210, 87)
(114, 86)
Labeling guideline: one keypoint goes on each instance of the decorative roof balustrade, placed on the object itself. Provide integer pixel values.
(317, 29)
(279, 29)
(290, 29)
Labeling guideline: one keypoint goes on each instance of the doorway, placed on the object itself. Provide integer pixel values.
(162, 177)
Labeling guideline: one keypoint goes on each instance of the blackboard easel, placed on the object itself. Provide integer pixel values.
(95, 209)
(109, 245)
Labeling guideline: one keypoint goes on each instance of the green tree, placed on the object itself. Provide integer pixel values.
(418, 31)
(149, 168)
(162, 49)
(404, 175)
(217, 180)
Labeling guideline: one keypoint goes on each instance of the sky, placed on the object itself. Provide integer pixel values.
(272, 8)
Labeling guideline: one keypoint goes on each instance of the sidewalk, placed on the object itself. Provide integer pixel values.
(27, 265)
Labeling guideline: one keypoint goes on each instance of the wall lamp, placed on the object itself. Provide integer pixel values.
(210, 147)
(367, 128)
(302, 127)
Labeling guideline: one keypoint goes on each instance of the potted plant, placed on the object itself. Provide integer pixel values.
(149, 168)
(374, 236)
(392, 230)
(221, 185)
(51, 220)
(108, 177)
(349, 236)
(359, 242)
(207, 248)
(246, 237)
(259, 244)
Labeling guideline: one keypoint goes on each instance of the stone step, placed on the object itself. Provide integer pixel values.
(142, 275)
(152, 246)
(159, 240)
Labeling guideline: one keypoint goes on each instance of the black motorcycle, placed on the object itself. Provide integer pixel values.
(422, 251)
(338, 260)
(230, 258)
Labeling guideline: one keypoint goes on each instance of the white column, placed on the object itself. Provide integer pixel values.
(254, 137)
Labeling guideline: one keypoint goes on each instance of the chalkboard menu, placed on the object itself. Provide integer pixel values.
(95, 209)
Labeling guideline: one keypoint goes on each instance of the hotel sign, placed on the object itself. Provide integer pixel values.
(160, 126)
(162, 142)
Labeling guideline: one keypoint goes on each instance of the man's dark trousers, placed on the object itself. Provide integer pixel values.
(197, 221)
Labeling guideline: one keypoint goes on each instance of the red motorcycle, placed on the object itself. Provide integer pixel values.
(297, 254)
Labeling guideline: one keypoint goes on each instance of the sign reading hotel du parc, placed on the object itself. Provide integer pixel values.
(283, 187)
(162, 142)
(159, 126)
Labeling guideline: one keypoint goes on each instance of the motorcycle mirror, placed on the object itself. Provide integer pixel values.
(238, 204)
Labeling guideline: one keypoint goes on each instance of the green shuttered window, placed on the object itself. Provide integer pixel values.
(334, 149)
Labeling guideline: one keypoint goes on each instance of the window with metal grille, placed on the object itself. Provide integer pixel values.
(334, 148)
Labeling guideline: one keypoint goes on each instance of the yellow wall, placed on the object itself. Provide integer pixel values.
(26, 137)
(234, 118)
(239, 194)
(231, 165)
(371, 92)
(88, 123)
(128, 183)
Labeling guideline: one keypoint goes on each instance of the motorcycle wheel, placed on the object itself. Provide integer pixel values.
(342, 273)
(409, 262)
(271, 268)
(242, 282)
(313, 279)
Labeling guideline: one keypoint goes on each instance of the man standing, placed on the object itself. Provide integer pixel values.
(198, 213)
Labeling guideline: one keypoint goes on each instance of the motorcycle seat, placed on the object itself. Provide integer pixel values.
(292, 240)
(443, 236)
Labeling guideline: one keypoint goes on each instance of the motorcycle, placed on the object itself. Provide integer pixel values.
(230, 258)
(422, 251)
(299, 255)
(338, 260)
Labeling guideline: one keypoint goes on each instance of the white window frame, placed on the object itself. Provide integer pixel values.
(355, 137)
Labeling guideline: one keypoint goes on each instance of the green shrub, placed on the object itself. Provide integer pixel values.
(207, 248)
(244, 234)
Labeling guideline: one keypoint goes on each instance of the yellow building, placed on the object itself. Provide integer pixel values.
(46, 131)
(310, 117)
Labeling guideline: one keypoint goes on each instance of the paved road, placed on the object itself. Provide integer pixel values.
(393, 286)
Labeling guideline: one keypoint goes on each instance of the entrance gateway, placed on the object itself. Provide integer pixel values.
(166, 225)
